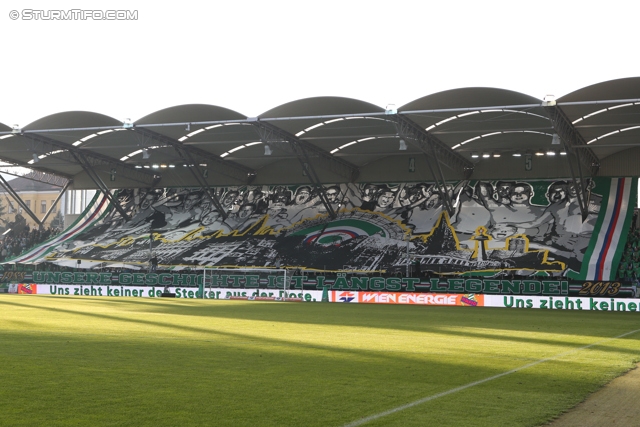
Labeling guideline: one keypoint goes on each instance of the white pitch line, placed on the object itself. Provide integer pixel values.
(475, 383)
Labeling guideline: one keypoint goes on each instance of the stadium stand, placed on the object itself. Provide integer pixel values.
(464, 181)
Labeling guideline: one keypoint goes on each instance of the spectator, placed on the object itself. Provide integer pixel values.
(154, 262)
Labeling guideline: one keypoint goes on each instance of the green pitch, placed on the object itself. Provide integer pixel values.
(153, 362)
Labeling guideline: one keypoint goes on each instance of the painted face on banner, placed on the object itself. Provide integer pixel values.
(281, 196)
(303, 196)
(520, 194)
(386, 199)
(239, 200)
(432, 201)
(147, 201)
(150, 198)
(210, 218)
(191, 200)
(369, 192)
(404, 197)
(572, 190)
(229, 198)
(414, 194)
(502, 231)
(484, 190)
(253, 196)
(557, 193)
(332, 195)
(246, 211)
(205, 205)
(504, 190)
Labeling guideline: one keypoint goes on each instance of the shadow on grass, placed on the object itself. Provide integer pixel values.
(117, 382)
(429, 319)
(432, 320)
(402, 317)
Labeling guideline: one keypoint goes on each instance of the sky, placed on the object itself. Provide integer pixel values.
(251, 56)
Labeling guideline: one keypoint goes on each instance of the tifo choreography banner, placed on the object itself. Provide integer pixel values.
(500, 226)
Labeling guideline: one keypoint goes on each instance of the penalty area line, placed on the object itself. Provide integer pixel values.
(374, 417)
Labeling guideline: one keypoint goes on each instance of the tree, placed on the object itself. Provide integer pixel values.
(3, 211)
(58, 221)
(19, 224)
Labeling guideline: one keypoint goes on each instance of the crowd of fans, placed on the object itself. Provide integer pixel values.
(15, 242)
(629, 268)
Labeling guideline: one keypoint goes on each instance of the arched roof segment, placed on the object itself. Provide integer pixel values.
(331, 124)
(477, 119)
(315, 109)
(324, 105)
(188, 113)
(606, 114)
(72, 126)
(72, 119)
(470, 97)
(468, 121)
(613, 89)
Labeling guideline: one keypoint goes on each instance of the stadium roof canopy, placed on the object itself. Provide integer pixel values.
(474, 133)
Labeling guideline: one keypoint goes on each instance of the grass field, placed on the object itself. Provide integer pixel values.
(153, 362)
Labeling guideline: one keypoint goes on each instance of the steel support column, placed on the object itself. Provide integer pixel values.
(274, 136)
(436, 153)
(35, 175)
(233, 170)
(82, 161)
(242, 174)
(578, 154)
(197, 174)
(20, 202)
(290, 143)
(67, 152)
(64, 189)
(269, 138)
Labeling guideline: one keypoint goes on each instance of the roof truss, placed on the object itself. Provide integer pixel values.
(69, 153)
(579, 155)
(287, 142)
(436, 153)
(242, 174)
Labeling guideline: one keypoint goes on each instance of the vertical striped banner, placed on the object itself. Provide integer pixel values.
(610, 237)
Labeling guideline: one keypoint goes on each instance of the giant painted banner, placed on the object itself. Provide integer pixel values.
(532, 227)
